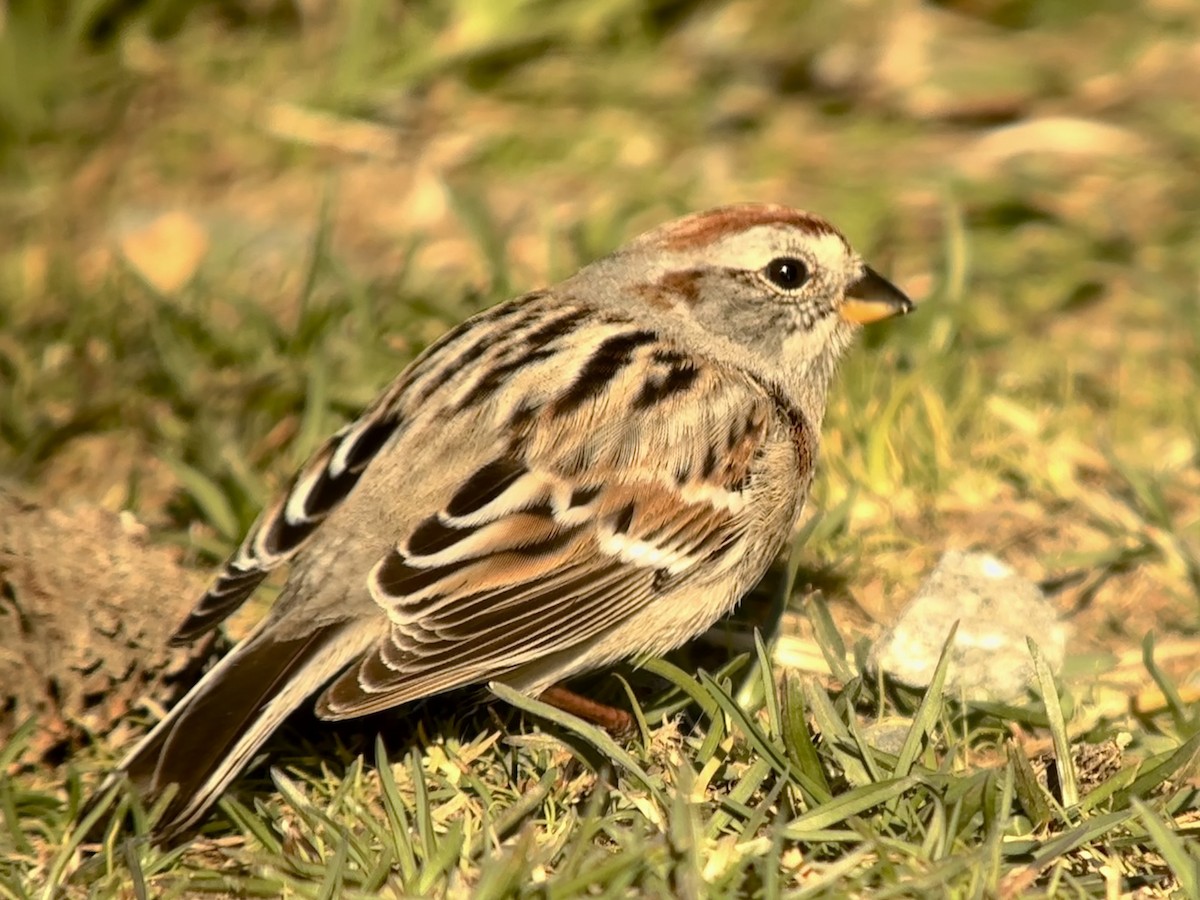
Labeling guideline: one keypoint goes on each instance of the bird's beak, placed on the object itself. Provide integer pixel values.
(872, 298)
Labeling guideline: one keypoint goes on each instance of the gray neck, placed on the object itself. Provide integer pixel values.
(808, 385)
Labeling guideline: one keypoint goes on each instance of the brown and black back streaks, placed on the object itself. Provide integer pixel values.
(357, 447)
(672, 373)
(487, 483)
(332, 473)
(555, 328)
(605, 364)
(230, 589)
(493, 379)
(532, 334)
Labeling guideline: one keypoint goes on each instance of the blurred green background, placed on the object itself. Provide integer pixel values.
(227, 224)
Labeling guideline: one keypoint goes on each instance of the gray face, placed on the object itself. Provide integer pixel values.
(772, 291)
(785, 308)
(766, 289)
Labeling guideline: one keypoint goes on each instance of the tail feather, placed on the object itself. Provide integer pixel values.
(214, 731)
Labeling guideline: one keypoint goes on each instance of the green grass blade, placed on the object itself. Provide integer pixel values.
(252, 824)
(737, 798)
(798, 742)
(1091, 830)
(1159, 769)
(635, 709)
(421, 809)
(770, 691)
(335, 874)
(399, 832)
(829, 640)
(511, 819)
(1184, 865)
(690, 687)
(1179, 710)
(208, 495)
(836, 735)
(768, 749)
(852, 803)
(1029, 793)
(446, 851)
(928, 712)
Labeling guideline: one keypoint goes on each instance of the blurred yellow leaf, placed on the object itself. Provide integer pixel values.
(166, 252)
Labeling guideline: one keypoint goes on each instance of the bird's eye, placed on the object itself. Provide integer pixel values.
(787, 272)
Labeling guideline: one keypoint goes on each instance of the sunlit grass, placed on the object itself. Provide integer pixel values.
(1042, 404)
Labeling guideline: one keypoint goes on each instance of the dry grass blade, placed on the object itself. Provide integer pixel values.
(1063, 758)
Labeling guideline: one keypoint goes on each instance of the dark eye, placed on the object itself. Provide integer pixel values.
(787, 272)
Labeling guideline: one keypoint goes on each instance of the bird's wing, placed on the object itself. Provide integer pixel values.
(630, 471)
(330, 475)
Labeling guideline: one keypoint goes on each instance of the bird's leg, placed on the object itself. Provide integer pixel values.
(616, 722)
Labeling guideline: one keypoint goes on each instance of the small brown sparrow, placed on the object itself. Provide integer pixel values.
(577, 475)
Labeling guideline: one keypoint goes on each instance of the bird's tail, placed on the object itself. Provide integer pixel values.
(212, 733)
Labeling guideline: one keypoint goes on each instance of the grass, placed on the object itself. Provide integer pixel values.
(741, 803)
(369, 177)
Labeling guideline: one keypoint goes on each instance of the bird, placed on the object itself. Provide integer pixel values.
(574, 476)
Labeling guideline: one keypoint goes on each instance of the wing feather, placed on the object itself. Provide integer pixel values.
(330, 475)
(486, 585)
(285, 527)
(623, 467)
